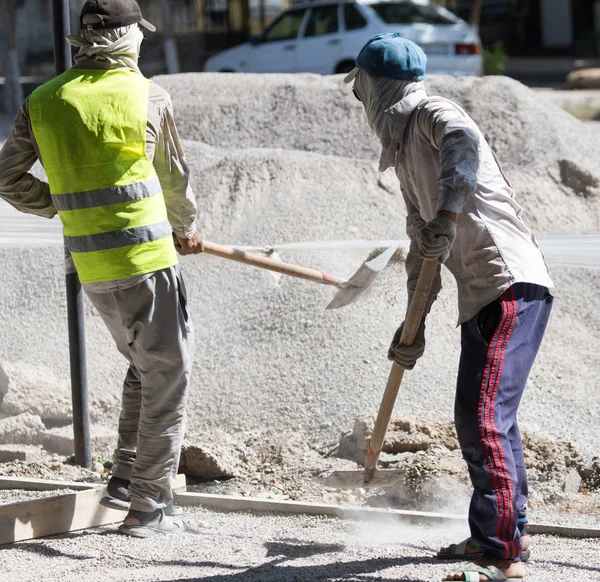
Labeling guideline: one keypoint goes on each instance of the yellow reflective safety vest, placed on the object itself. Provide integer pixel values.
(90, 128)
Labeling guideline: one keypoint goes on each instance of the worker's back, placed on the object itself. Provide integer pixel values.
(444, 155)
(90, 127)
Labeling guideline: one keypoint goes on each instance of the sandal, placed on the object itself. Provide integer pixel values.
(150, 524)
(459, 553)
(473, 572)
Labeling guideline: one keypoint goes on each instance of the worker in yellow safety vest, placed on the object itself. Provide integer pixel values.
(118, 179)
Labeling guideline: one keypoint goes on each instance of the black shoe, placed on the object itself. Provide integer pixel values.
(119, 497)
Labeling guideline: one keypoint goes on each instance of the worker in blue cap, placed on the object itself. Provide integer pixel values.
(462, 212)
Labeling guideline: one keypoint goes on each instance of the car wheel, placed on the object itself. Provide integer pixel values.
(344, 67)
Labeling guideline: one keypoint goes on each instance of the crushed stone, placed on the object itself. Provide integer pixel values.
(52, 467)
(258, 547)
(9, 496)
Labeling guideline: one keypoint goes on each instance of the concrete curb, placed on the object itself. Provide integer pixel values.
(234, 503)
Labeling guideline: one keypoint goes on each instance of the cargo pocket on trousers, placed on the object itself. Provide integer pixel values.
(183, 303)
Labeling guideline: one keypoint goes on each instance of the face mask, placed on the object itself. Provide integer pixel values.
(378, 94)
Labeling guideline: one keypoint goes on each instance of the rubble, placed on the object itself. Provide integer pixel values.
(214, 455)
(547, 459)
(429, 455)
(403, 436)
(590, 476)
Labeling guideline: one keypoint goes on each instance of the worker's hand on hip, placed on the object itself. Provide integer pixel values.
(407, 356)
(436, 237)
(189, 246)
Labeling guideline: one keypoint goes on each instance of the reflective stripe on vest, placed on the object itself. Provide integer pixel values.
(90, 127)
(119, 238)
(106, 196)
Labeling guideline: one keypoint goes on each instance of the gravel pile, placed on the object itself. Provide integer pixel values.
(545, 150)
(320, 114)
(269, 357)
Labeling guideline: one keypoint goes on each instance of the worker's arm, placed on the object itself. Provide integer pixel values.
(173, 173)
(455, 136)
(17, 186)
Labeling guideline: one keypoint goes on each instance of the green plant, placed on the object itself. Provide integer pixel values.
(494, 59)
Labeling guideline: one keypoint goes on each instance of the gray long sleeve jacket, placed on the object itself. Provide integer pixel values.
(31, 195)
(443, 162)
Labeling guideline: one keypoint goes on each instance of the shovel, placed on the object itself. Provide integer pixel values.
(370, 477)
(348, 291)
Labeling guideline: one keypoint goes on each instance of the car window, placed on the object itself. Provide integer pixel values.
(353, 18)
(405, 13)
(286, 27)
(323, 20)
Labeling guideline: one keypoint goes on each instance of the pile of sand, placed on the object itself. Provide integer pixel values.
(550, 156)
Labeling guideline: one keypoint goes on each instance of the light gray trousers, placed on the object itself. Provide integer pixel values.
(153, 330)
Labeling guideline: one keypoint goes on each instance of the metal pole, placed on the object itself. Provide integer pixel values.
(75, 310)
(263, 15)
(169, 43)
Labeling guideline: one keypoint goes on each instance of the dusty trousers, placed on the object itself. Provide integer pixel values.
(499, 346)
(152, 329)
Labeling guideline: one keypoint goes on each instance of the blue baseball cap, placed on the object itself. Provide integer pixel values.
(391, 56)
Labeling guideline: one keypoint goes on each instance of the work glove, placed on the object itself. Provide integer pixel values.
(407, 356)
(436, 237)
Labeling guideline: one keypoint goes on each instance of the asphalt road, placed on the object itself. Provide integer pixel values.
(18, 229)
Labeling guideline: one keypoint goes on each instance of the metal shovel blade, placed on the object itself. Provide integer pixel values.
(361, 283)
(356, 479)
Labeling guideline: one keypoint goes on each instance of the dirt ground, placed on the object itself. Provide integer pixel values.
(230, 547)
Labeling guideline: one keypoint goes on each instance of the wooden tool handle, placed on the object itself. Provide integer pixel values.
(411, 326)
(261, 262)
(418, 303)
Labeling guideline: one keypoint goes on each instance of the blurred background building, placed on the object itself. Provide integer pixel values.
(537, 27)
(540, 37)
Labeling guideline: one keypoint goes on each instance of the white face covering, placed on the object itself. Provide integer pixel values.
(120, 47)
(378, 95)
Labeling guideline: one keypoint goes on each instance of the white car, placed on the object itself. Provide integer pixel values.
(326, 37)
